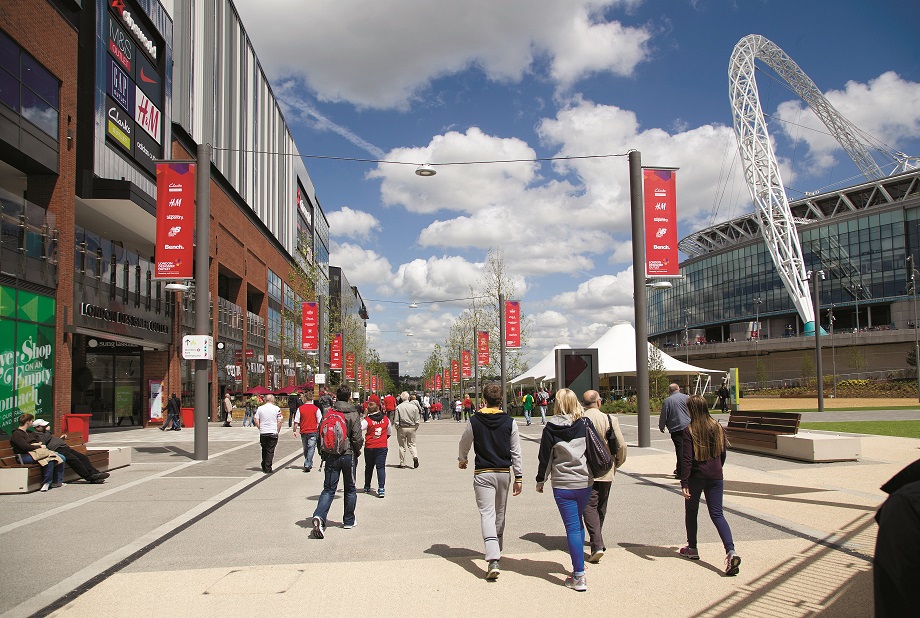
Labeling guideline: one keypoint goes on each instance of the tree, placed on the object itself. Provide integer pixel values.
(912, 356)
(495, 280)
(856, 359)
(657, 376)
(760, 372)
(808, 369)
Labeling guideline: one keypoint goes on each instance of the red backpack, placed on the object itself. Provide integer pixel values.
(333, 434)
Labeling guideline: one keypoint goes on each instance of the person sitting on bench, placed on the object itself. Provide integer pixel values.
(24, 444)
(77, 461)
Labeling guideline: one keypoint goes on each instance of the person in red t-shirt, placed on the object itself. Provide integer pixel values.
(467, 408)
(436, 409)
(306, 423)
(389, 405)
(377, 428)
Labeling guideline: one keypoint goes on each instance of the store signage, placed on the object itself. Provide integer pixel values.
(349, 365)
(120, 86)
(466, 360)
(309, 326)
(120, 45)
(147, 115)
(130, 22)
(175, 237)
(512, 324)
(118, 126)
(455, 372)
(120, 317)
(482, 347)
(148, 79)
(335, 352)
(660, 223)
(146, 151)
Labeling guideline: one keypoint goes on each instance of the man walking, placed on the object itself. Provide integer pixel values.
(495, 441)
(173, 409)
(407, 420)
(268, 420)
(389, 405)
(528, 406)
(227, 410)
(596, 510)
(675, 416)
(343, 421)
(723, 398)
(293, 403)
(306, 423)
(542, 402)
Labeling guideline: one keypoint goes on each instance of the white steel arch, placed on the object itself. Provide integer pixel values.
(761, 170)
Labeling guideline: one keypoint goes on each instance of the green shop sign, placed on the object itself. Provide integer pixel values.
(26, 356)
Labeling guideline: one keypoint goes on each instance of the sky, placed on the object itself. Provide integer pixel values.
(413, 81)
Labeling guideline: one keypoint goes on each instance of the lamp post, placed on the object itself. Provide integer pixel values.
(816, 276)
(858, 288)
(687, 333)
(202, 294)
(637, 216)
(830, 321)
(913, 285)
(757, 302)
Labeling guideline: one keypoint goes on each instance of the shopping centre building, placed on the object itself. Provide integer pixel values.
(92, 94)
(730, 308)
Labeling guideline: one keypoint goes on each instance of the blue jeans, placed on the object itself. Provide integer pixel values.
(247, 418)
(527, 415)
(309, 448)
(713, 490)
(572, 503)
(543, 413)
(375, 458)
(51, 472)
(334, 466)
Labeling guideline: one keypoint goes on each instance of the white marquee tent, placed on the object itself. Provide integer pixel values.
(546, 367)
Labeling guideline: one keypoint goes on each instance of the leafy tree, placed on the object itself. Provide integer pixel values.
(856, 359)
(760, 372)
(912, 356)
(808, 368)
(495, 280)
(657, 376)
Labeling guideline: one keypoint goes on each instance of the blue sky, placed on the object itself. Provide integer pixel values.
(481, 80)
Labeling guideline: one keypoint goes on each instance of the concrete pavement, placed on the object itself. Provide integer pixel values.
(172, 536)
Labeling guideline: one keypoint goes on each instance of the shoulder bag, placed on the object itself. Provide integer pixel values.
(599, 459)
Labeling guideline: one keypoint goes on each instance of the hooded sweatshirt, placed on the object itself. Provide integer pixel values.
(495, 440)
(353, 423)
(562, 454)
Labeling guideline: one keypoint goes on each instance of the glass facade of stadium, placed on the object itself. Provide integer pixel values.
(860, 236)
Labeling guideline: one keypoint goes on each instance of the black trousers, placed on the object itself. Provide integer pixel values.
(596, 512)
(677, 437)
(78, 462)
(268, 441)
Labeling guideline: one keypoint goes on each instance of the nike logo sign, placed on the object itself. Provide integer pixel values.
(144, 78)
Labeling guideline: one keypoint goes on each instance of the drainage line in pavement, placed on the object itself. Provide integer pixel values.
(115, 568)
(825, 542)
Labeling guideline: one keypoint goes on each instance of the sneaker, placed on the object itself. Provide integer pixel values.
(380, 492)
(102, 475)
(732, 562)
(415, 462)
(319, 530)
(494, 571)
(579, 583)
(45, 487)
(690, 552)
(351, 525)
(596, 556)
(56, 485)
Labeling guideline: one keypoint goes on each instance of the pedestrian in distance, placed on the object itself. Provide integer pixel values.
(251, 404)
(306, 425)
(77, 461)
(675, 417)
(389, 405)
(458, 410)
(426, 407)
(542, 403)
(467, 408)
(563, 461)
(701, 473)
(596, 509)
(293, 404)
(227, 410)
(377, 429)
(268, 419)
(407, 421)
(723, 398)
(173, 411)
(493, 435)
(528, 403)
(340, 442)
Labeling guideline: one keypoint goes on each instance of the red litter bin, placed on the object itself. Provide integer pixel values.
(74, 423)
(187, 417)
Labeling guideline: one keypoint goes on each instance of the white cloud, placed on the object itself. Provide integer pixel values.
(362, 267)
(352, 223)
(433, 279)
(606, 297)
(383, 55)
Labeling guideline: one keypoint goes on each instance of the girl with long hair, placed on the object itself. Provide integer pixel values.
(701, 472)
(563, 461)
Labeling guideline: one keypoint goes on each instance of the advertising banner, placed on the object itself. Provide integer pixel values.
(660, 223)
(309, 326)
(349, 365)
(446, 378)
(335, 352)
(155, 388)
(455, 372)
(374, 384)
(482, 347)
(466, 359)
(175, 221)
(360, 376)
(512, 323)
(437, 382)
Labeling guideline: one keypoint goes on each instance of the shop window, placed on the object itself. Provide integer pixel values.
(29, 88)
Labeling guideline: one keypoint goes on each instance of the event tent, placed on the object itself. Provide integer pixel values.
(546, 367)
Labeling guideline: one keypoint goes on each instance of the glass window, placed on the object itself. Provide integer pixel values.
(9, 55)
(37, 79)
(9, 90)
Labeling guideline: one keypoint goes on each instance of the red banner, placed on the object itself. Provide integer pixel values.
(374, 384)
(309, 326)
(466, 360)
(360, 376)
(446, 379)
(437, 382)
(349, 365)
(482, 347)
(660, 188)
(512, 323)
(175, 240)
(454, 372)
(335, 352)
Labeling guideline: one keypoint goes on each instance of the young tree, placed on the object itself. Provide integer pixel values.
(856, 359)
(808, 369)
(496, 280)
(912, 356)
(760, 372)
(657, 376)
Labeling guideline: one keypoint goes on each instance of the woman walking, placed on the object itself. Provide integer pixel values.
(563, 461)
(377, 429)
(701, 472)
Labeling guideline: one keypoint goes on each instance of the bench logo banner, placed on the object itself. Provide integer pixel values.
(660, 187)
(512, 323)
(175, 220)
(349, 365)
(466, 359)
(335, 352)
(309, 326)
(482, 347)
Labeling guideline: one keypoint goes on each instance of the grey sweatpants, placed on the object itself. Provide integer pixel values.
(491, 489)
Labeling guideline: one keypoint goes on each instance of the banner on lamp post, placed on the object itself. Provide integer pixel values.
(335, 352)
(349, 365)
(512, 324)
(175, 231)
(374, 384)
(447, 378)
(660, 190)
(466, 360)
(482, 347)
(454, 372)
(437, 381)
(309, 326)
(360, 376)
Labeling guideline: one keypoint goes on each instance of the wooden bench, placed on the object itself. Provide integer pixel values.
(22, 478)
(760, 429)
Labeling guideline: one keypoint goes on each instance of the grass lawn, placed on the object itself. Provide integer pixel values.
(902, 429)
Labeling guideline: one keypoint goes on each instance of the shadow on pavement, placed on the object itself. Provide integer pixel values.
(651, 552)
(547, 542)
(470, 561)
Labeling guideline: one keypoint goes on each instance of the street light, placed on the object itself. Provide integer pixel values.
(757, 302)
(830, 321)
(857, 290)
(687, 333)
(913, 286)
(816, 276)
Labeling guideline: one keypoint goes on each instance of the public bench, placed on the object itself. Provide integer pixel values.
(777, 433)
(16, 477)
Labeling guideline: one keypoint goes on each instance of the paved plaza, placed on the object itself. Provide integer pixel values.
(169, 536)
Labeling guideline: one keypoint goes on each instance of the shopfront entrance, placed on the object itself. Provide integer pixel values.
(108, 381)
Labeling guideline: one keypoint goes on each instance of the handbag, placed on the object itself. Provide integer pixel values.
(599, 459)
(614, 445)
(41, 453)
